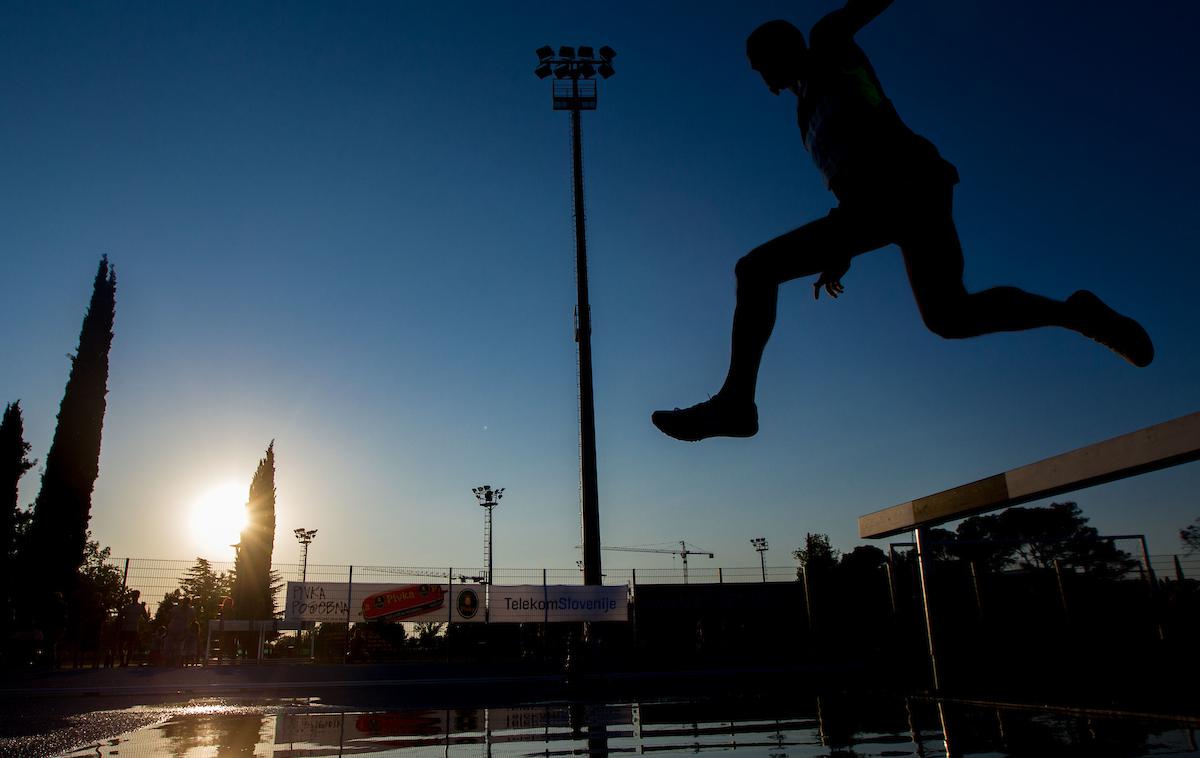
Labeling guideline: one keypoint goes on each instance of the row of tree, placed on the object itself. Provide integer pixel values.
(1018, 538)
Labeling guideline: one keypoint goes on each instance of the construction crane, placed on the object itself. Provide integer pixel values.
(683, 552)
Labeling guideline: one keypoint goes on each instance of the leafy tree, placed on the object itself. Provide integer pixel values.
(252, 592)
(863, 559)
(14, 462)
(817, 554)
(1033, 538)
(99, 578)
(427, 632)
(206, 588)
(162, 614)
(58, 533)
(1191, 537)
(96, 593)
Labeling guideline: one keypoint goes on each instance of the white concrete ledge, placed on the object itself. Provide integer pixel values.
(1155, 447)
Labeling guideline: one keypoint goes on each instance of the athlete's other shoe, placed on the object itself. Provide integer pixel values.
(715, 417)
(1118, 333)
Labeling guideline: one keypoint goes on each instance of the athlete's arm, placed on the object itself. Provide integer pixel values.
(831, 280)
(847, 20)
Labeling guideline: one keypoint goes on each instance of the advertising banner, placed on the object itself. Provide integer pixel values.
(329, 601)
(531, 603)
(459, 603)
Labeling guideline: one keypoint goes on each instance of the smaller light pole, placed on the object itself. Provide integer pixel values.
(488, 498)
(760, 544)
(306, 537)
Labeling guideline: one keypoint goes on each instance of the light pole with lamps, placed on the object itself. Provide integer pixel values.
(760, 544)
(305, 537)
(574, 90)
(488, 498)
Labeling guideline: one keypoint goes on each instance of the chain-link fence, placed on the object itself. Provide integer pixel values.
(155, 578)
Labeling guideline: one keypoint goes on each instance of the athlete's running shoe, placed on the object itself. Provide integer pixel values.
(1118, 333)
(715, 417)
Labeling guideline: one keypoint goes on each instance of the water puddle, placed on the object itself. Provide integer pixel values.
(754, 728)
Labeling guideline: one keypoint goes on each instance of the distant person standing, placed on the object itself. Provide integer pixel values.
(53, 622)
(892, 187)
(131, 618)
(191, 647)
(177, 631)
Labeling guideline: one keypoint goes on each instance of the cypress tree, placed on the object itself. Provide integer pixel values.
(252, 597)
(14, 462)
(58, 532)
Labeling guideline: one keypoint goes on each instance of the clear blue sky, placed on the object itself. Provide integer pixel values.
(346, 227)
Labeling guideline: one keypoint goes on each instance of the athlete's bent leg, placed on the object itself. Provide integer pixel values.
(811, 249)
(933, 258)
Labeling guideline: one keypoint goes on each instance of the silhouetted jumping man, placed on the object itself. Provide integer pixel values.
(892, 187)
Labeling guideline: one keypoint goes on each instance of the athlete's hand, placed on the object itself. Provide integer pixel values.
(831, 281)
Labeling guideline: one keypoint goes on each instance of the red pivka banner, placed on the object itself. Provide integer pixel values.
(374, 601)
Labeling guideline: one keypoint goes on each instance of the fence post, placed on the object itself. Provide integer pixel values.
(891, 580)
(349, 610)
(720, 575)
(125, 576)
(923, 558)
(633, 592)
(978, 594)
(1062, 590)
(808, 614)
(1149, 569)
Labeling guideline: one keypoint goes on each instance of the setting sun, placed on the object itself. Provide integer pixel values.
(217, 519)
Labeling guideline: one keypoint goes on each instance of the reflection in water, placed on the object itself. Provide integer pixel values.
(226, 734)
(754, 727)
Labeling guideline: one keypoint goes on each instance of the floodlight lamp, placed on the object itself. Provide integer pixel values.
(545, 52)
(587, 71)
(606, 70)
(562, 71)
(542, 71)
(585, 51)
(566, 51)
(607, 53)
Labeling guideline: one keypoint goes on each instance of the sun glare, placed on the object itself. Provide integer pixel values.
(217, 519)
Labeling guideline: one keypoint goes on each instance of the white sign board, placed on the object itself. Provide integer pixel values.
(530, 603)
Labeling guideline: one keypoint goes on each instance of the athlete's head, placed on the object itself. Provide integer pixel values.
(777, 51)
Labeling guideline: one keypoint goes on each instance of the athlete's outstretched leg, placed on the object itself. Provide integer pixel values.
(933, 257)
(811, 249)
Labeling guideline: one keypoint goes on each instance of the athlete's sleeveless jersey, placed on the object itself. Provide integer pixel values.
(848, 124)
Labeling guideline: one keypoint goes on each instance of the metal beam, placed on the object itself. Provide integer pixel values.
(1155, 447)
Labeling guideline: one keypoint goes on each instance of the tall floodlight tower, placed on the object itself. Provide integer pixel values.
(488, 499)
(574, 90)
(760, 544)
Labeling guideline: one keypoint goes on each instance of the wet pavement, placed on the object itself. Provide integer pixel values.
(342, 710)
